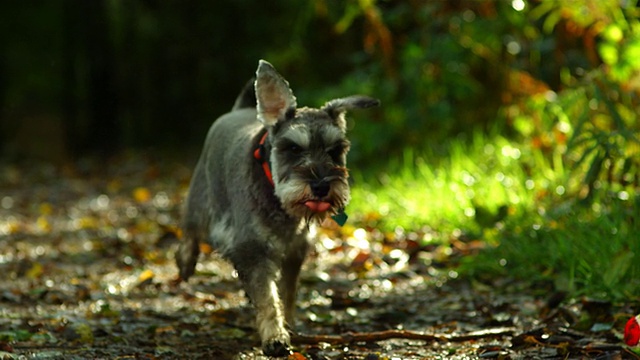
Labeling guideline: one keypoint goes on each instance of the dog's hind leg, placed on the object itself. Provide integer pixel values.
(188, 252)
(194, 224)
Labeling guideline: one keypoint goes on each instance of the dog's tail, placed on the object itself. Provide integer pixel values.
(247, 97)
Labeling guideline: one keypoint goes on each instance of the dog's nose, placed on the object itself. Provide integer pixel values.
(320, 188)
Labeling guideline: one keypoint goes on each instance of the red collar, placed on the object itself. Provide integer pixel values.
(259, 154)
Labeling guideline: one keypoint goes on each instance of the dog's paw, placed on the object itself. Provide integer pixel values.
(276, 348)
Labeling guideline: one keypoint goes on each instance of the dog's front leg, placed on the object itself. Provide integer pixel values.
(260, 275)
(289, 279)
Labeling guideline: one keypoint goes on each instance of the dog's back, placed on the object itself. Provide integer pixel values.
(207, 214)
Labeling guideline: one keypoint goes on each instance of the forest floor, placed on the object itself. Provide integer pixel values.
(87, 253)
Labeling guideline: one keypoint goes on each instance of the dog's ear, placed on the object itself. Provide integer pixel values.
(274, 97)
(338, 107)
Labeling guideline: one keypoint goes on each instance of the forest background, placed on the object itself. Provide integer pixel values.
(509, 122)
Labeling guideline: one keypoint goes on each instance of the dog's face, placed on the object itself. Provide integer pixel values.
(308, 159)
(307, 147)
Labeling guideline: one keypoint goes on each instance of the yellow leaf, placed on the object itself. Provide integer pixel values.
(613, 33)
(205, 248)
(46, 209)
(145, 276)
(141, 194)
(88, 222)
(13, 226)
(348, 230)
(35, 271)
(43, 224)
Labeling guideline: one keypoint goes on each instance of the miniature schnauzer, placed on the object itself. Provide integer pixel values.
(268, 171)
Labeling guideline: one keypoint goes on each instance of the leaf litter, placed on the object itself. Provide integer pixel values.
(87, 253)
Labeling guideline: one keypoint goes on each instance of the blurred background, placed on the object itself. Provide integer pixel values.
(509, 122)
(99, 77)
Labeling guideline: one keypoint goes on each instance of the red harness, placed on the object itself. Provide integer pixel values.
(259, 155)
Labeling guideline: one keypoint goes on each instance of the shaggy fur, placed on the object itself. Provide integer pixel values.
(263, 228)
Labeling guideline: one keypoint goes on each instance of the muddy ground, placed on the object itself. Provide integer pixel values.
(86, 257)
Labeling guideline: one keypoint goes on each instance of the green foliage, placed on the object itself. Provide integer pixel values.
(571, 210)
(434, 76)
(587, 240)
(524, 203)
(584, 250)
(594, 135)
(15, 335)
(476, 186)
(441, 69)
(598, 109)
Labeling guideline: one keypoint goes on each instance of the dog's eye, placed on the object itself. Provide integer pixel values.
(293, 148)
(336, 153)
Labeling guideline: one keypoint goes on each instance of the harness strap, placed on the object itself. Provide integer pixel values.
(260, 155)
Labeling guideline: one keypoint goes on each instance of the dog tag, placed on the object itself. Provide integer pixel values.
(340, 218)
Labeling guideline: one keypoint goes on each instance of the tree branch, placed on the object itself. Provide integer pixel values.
(399, 334)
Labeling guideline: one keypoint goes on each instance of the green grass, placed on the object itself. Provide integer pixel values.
(525, 204)
(466, 189)
(584, 250)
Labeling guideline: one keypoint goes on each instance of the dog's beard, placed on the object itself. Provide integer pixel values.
(295, 193)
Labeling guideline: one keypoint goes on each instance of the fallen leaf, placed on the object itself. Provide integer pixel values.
(145, 277)
(296, 356)
(35, 271)
(141, 194)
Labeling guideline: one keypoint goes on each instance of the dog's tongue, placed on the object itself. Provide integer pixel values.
(317, 206)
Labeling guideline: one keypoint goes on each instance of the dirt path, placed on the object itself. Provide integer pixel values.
(88, 273)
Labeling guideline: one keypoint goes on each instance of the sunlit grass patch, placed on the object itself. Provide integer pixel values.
(475, 186)
(520, 201)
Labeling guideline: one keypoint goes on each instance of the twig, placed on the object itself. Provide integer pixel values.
(630, 353)
(351, 337)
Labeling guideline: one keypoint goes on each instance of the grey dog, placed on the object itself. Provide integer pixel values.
(268, 171)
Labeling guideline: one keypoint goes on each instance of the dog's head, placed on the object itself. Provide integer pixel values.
(307, 147)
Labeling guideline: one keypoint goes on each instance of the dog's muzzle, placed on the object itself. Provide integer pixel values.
(320, 188)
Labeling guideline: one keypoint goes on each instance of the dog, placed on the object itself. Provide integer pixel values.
(267, 173)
